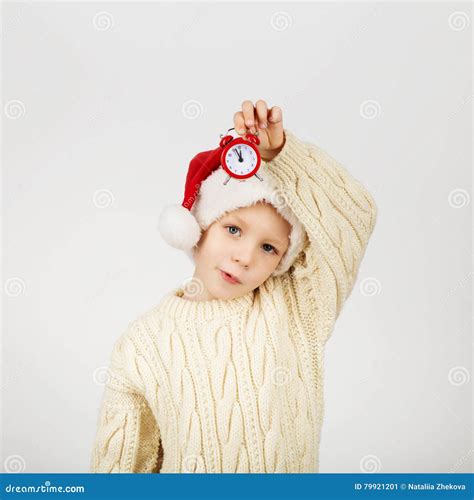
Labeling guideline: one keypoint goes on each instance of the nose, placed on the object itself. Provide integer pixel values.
(239, 261)
(243, 255)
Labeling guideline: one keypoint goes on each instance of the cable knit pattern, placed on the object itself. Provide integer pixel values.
(237, 385)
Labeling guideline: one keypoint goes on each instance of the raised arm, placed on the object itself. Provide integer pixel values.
(337, 212)
(127, 437)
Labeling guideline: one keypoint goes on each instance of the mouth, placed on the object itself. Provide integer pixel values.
(230, 278)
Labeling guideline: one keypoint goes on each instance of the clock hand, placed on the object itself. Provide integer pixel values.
(239, 152)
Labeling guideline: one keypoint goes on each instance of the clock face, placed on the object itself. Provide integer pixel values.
(241, 159)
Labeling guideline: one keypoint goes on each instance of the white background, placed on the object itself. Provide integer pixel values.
(120, 96)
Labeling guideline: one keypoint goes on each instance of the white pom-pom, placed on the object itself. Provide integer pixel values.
(178, 227)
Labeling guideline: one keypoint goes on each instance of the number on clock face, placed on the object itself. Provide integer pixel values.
(241, 159)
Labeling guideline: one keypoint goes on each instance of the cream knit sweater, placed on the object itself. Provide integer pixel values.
(237, 385)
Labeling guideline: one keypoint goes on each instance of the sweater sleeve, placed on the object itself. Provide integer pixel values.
(338, 214)
(127, 437)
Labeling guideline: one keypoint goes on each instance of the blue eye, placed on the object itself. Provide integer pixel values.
(232, 227)
(272, 248)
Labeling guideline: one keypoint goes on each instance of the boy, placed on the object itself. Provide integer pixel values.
(226, 375)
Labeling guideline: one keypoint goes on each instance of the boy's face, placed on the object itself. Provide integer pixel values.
(247, 243)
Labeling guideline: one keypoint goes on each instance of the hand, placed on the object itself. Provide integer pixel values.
(270, 126)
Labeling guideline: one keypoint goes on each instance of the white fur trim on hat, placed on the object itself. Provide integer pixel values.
(297, 242)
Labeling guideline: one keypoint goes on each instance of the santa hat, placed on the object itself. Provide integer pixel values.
(206, 199)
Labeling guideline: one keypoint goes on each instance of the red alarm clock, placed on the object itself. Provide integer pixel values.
(240, 157)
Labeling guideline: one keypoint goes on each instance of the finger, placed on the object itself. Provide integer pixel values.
(275, 116)
(262, 112)
(249, 115)
(239, 123)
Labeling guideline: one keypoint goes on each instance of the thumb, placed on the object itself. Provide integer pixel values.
(275, 117)
(274, 130)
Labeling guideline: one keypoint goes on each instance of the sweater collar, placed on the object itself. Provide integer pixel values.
(176, 306)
